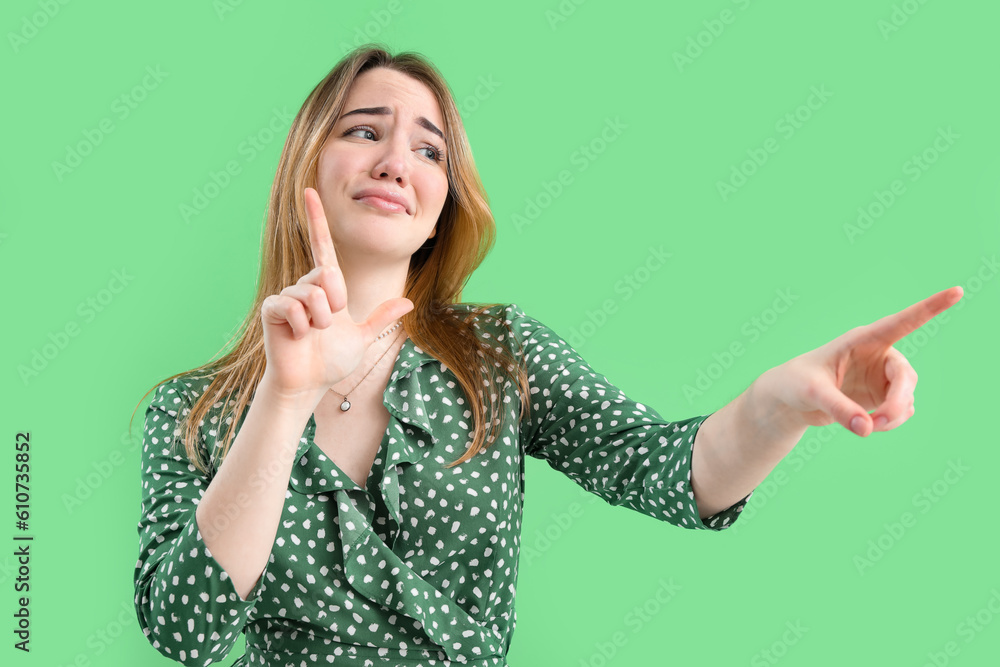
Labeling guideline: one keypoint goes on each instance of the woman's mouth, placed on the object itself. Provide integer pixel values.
(382, 204)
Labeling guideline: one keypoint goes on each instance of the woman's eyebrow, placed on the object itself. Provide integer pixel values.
(386, 111)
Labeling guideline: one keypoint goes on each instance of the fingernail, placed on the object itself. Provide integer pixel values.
(857, 424)
(880, 422)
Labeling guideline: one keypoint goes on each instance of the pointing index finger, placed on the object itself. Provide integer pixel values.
(319, 231)
(891, 328)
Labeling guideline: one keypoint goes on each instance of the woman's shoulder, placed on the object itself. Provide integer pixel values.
(483, 310)
(177, 397)
(495, 318)
(180, 392)
(508, 322)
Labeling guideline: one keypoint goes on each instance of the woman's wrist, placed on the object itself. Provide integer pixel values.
(770, 413)
(286, 399)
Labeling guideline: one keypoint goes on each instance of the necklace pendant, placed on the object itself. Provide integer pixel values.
(346, 405)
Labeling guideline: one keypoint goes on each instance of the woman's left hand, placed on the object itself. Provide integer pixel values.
(855, 372)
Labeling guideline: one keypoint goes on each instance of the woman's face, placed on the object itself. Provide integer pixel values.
(387, 140)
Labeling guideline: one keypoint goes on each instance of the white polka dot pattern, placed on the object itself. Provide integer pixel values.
(420, 566)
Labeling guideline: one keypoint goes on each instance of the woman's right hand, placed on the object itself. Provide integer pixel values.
(310, 340)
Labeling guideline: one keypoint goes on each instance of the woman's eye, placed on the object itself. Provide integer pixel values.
(362, 129)
(435, 154)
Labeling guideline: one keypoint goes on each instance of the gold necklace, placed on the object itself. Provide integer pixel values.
(346, 405)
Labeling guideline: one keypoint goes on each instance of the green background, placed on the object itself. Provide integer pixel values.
(684, 126)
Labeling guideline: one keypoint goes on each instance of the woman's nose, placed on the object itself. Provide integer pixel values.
(392, 161)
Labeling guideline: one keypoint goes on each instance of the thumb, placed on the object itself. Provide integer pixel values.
(846, 412)
(385, 314)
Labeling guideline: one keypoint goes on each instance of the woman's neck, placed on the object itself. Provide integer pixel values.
(370, 285)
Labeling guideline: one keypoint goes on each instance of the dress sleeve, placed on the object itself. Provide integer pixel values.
(187, 605)
(587, 428)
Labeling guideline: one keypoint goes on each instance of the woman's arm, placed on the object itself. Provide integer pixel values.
(191, 602)
(613, 446)
(738, 446)
(238, 515)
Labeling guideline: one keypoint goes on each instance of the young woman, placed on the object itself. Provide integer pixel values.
(346, 484)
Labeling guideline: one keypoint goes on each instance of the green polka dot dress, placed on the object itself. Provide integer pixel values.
(420, 566)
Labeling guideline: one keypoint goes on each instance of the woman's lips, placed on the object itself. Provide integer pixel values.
(382, 204)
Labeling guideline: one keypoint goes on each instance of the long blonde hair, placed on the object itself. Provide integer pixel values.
(437, 273)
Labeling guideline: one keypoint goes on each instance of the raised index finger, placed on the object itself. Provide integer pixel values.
(891, 328)
(319, 231)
